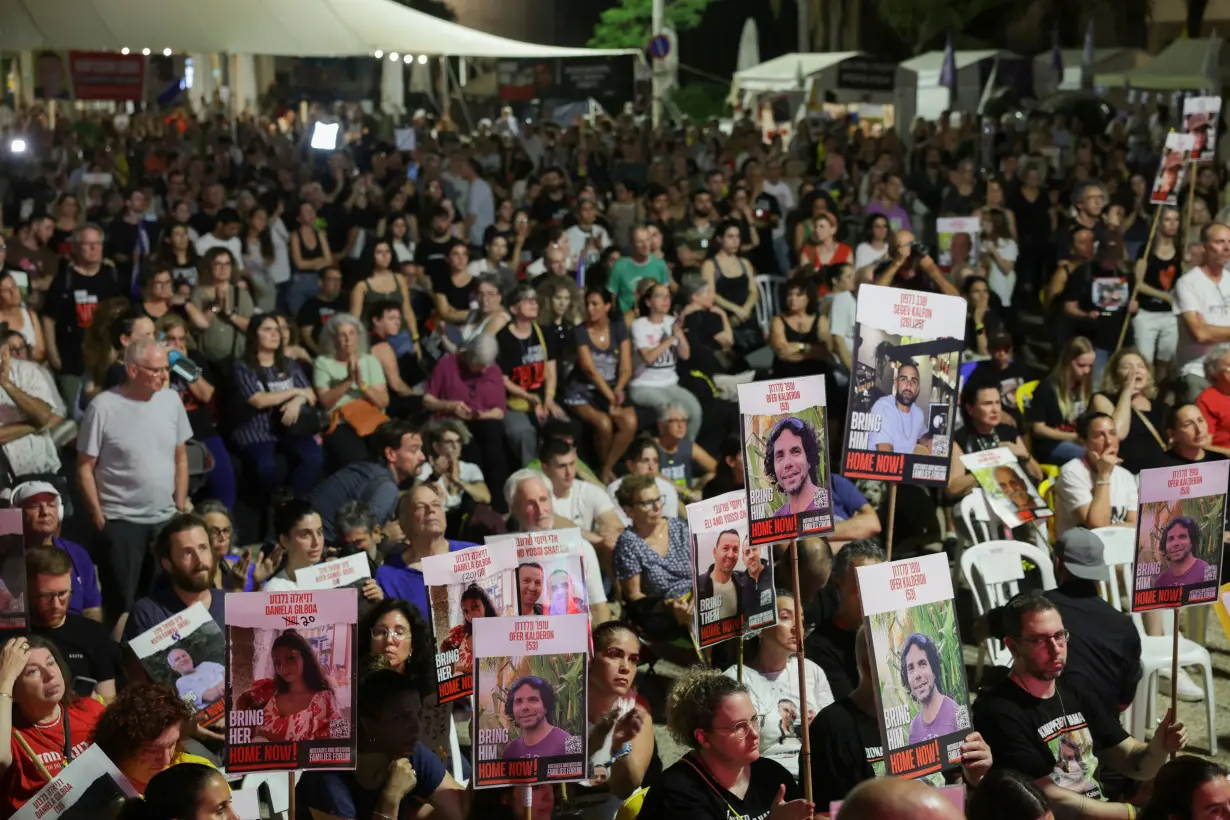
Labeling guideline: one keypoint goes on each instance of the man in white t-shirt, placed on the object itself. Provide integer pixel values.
(1202, 303)
(581, 502)
(1095, 491)
(588, 237)
(224, 235)
(903, 427)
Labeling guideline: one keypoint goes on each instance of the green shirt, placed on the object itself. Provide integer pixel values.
(627, 273)
(330, 373)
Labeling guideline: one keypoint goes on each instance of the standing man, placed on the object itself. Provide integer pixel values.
(40, 504)
(720, 580)
(129, 237)
(903, 426)
(531, 707)
(480, 202)
(132, 468)
(793, 465)
(1202, 300)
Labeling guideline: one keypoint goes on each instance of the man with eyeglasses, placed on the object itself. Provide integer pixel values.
(84, 643)
(1047, 726)
(132, 469)
(903, 425)
(642, 459)
(40, 504)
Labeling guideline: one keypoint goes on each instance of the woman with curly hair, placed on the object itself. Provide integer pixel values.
(143, 732)
(475, 603)
(715, 718)
(298, 701)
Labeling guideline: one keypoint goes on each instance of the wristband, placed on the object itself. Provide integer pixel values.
(623, 751)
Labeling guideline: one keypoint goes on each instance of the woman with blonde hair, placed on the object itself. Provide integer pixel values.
(1128, 394)
(351, 387)
(1059, 401)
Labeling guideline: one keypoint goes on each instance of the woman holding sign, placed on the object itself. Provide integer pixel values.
(301, 545)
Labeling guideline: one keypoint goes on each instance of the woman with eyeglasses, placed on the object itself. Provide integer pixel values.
(444, 469)
(652, 557)
(18, 317)
(723, 772)
(219, 309)
(158, 296)
(233, 569)
(177, 253)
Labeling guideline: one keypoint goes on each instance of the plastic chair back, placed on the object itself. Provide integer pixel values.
(766, 307)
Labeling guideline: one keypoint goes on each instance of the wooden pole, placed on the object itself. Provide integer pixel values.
(1174, 673)
(740, 660)
(527, 802)
(1127, 315)
(805, 735)
(892, 519)
(290, 782)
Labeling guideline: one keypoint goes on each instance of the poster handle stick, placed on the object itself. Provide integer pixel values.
(892, 520)
(805, 735)
(740, 661)
(699, 654)
(1127, 314)
(1174, 672)
(290, 784)
(527, 802)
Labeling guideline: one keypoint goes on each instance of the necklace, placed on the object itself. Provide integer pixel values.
(1064, 764)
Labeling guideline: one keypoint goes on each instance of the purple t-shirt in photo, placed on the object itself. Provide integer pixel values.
(553, 745)
(1195, 575)
(945, 723)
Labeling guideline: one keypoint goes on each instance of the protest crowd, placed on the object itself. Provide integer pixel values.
(228, 358)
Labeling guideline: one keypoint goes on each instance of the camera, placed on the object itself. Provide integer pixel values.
(918, 250)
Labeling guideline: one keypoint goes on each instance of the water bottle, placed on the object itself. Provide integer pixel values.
(183, 367)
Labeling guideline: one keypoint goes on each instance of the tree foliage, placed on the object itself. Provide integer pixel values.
(918, 22)
(629, 24)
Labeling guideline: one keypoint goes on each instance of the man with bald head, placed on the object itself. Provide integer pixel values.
(903, 268)
(1202, 300)
(895, 798)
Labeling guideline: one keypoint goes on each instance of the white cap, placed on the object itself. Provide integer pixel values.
(30, 489)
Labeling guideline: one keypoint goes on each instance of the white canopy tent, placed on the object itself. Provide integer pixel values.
(786, 73)
(919, 93)
(1184, 65)
(1105, 60)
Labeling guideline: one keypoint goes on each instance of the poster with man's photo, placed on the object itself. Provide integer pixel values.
(1179, 535)
(786, 458)
(1008, 491)
(958, 238)
(1172, 169)
(14, 600)
(732, 585)
(550, 574)
(903, 391)
(530, 685)
(187, 652)
(1200, 118)
(463, 587)
(922, 699)
(88, 788)
(291, 684)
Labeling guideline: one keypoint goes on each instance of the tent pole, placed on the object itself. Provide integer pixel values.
(465, 109)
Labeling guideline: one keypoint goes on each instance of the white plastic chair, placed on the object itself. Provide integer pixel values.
(976, 517)
(770, 287)
(1119, 549)
(992, 570)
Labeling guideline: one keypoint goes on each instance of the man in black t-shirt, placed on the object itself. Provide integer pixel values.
(831, 645)
(1001, 369)
(431, 253)
(1053, 729)
(1097, 297)
(322, 307)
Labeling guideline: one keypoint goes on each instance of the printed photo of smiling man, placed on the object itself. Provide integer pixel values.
(793, 465)
(903, 424)
(1179, 540)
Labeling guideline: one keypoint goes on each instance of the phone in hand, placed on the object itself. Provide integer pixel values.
(83, 687)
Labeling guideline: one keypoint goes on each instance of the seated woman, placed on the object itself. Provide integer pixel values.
(488, 315)
(982, 319)
(734, 284)
(459, 482)
(41, 687)
(398, 357)
(454, 294)
(1061, 398)
(1129, 396)
(143, 732)
(274, 412)
(711, 338)
(300, 543)
(290, 342)
(660, 344)
(20, 318)
(185, 790)
(397, 776)
(559, 312)
(653, 558)
(494, 261)
(351, 388)
(799, 334)
(643, 458)
(385, 285)
(299, 701)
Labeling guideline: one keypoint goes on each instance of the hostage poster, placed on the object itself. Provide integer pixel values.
(922, 699)
(903, 389)
(732, 585)
(14, 606)
(1008, 491)
(1179, 533)
(785, 458)
(463, 587)
(188, 653)
(350, 571)
(89, 788)
(1172, 169)
(291, 689)
(530, 686)
(1200, 118)
(550, 574)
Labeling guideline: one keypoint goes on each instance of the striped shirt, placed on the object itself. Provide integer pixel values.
(255, 426)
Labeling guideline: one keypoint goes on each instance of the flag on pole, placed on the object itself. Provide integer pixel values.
(1056, 57)
(1087, 58)
(948, 71)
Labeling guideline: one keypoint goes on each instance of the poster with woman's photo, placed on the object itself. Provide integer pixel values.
(1179, 535)
(1172, 169)
(786, 458)
(187, 652)
(903, 391)
(550, 575)
(529, 700)
(463, 587)
(1009, 492)
(1200, 117)
(958, 238)
(89, 788)
(922, 699)
(291, 684)
(732, 584)
(14, 603)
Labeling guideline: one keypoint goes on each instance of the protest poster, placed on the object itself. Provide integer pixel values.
(785, 458)
(958, 238)
(1008, 491)
(291, 648)
(1200, 116)
(350, 571)
(1170, 172)
(922, 699)
(732, 584)
(88, 788)
(550, 574)
(903, 389)
(187, 652)
(14, 601)
(529, 700)
(462, 587)
(1179, 532)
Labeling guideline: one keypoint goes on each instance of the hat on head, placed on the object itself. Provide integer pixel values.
(31, 489)
(1082, 553)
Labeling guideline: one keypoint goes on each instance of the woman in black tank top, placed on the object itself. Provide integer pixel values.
(798, 335)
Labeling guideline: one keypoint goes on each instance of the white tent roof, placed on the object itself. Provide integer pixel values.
(783, 73)
(298, 28)
(1184, 65)
(1072, 56)
(934, 60)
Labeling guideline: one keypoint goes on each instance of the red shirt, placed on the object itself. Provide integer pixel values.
(22, 780)
(1216, 408)
(842, 255)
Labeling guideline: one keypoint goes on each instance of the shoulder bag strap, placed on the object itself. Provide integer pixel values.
(1149, 425)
